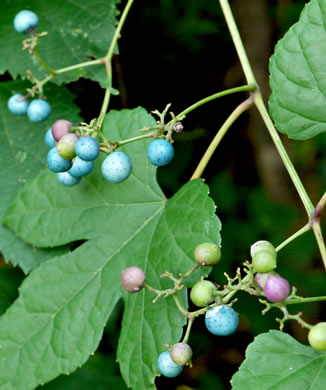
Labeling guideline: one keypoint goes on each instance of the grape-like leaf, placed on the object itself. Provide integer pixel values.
(275, 360)
(22, 156)
(298, 76)
(58, 320)
(77, 32)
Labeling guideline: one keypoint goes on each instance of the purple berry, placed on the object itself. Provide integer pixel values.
(261, 279)
(133, 279)
(60, 128)
(277, 288)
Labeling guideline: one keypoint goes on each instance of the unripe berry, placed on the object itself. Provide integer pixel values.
(262, 245)
(202, 293)
(60, 128)
(207, 254)
(264, 261)
(317, 336)
(181, 353)
(277, 289)
(261, 279)
(66, 145)
(167, 366)
(133, 279)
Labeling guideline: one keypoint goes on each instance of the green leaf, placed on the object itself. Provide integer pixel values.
(99, 373)
(22, 156)
(275, 361)
(58, 320)
(77, 32)
(298, 77)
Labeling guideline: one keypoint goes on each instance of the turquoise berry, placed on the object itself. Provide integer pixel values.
(39, 110)
(116, 167)
(56, 163)
(81, 167)
(67, 180)
(87, 148)
(25, 21)
(221, 320)
(17, 104)
(49, 140)
(160, 152)
(167, 366)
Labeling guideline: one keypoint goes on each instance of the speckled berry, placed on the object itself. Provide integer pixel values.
(207, 254)
(116, 167)
(202, 293)
(38, 110)
(25, 21)
(181, 353)
(67, 180)
(48, 138)
(66, 145)
(133, 279)
(221, 320)
(17, 104)
(167, 366)
(60, 128)
(317, 336)
(81, 167)
(56, 163)
(160, 152)
(87, 148)
(277, 288)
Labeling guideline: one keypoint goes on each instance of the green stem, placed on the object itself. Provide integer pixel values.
(189, 325)
(118, 30)
(180, 307)
(133, 139)
(104, 108)
(219, 136)
(230, 295)
(295, 301)
(81, 65)
(320, 240)
(40, 60)
(303, 230)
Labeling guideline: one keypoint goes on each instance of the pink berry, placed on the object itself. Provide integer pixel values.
(261, 279)
(60, 128)
(277, 288)
(133, 279)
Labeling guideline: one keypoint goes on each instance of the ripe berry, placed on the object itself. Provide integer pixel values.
(261, 279)
(181, 353)
(17, 104)
(38, 110)
(160, 152)
(66, 145)
(56, 163)
(67, 180)
(87, 148)
(133, 279)
(116, 167)
(49, 140)
(25, 21)
(221, 320)
(60, 128)
(264, 261)
(207, 254)
(277, 288)
(317, 336)
(167, 366)
(262, 246)
(80, 167)
(202, 293)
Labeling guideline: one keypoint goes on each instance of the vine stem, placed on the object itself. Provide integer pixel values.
(219, 136)
(41, 61)
(303, 230)
(295, 301)
(187, 334)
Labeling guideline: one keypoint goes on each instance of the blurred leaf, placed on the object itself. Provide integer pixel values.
(58, 320)
(275, 360)
(10, 279)
(77, 31)
(298, 82)
(22, 156)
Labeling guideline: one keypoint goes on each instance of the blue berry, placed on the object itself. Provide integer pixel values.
(167, 366)
(56, 163)
(17, 105)
(25, 21)
(87, 148)
(116, 167)
(81, 167)
(39, 110)
(221, 320)
(49, 140)
(160, 152)
(67, 180)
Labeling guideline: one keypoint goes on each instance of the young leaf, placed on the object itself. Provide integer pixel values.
(77, 31)
(22, 156)
(275, 360)
(297, 76)
(58, 320)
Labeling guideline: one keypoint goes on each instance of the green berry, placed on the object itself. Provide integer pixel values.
(264, 261)
(202, 293)
(66, 146)
(262, 246)
(181, 353)
(317, 336)
(207, 254)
